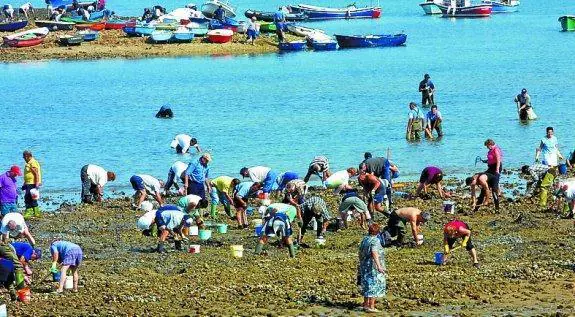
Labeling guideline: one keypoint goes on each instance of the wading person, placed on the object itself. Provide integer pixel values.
(94, 178)
(183, 142)
(371, 276)
(486, 183)
(457, 229)
(427, 89)
(264, 175)
(431, 175)
(318, 166)
(398, 219)
(8, 190)
(222, 191)
(523, 102)
(278, 223)
(414, 123)
(433, 120)
(32, 180)
(70, 256)
(198, 176)
(145, 185)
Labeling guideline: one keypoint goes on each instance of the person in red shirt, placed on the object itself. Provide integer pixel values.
(454, 230)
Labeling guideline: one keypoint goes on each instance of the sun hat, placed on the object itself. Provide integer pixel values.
(207, 156)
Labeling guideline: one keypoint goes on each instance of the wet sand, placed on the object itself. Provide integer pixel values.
(526, 269)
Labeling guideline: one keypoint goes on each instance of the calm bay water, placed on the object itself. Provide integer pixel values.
(281, 110)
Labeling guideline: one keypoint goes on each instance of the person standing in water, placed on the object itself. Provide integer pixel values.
(414, 123)
(523, 102)
(433, 120)
(427, 89)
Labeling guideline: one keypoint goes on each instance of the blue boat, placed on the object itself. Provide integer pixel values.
(144, 29)
(161, 36)
(183, 35)
(89, 35)
(325, 13)
(12, 26)
(130, 30)
(384, 40)
(503, 6)
(324, 45)
(228, 23)
(293, 46)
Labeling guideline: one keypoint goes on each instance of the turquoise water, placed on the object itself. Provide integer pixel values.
(281, 110)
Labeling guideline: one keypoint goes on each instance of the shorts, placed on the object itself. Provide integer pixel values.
(251, 34)
(468, 247)
(277, 227)
(269, 182)
(8, 208)
(380, 195)
(137, 183)
(73, 257)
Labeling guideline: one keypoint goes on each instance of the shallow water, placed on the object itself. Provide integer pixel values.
(281, 110)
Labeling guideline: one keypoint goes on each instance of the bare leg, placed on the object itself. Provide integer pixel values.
(63, 272)
(473, 254)
(75, 275)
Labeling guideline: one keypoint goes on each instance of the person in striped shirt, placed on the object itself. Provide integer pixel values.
(319, 166)
(315, 207)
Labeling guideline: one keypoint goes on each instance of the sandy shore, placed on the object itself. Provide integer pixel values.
(526, 269)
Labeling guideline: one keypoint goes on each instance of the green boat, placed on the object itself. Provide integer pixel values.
(167, 26)
(267, 27)
(567, 22)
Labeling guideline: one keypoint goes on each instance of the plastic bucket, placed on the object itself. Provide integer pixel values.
(563, 169)
(222, 228)
(24, 295)
(449, 207)
(257, 222)
(69, 282)
(3, 311)
(258, 230)
(205, 234)
(56, 276)
(237, 250)
(194, 248)
(438, 258)
(194, 230)
(420, 239)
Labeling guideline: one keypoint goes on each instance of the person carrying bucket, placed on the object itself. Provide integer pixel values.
(454, 230)
(486, 182)
(431, 175)
(549, 148)
(32, 180)
(278, 223)
(70, 256)
(398, 219)
(222, 191)
(171, 220)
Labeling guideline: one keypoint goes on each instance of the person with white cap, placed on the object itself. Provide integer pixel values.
(146, 222)
(278, 223)
(197, 177)
(183, 142)
(171, 219)
(398, 218)
(145, 185)
(319, 166)
(8, 190)
(14, 226)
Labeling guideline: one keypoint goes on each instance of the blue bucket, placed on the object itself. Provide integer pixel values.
(439, 258)
(563, 169)
(258, 230)
(56, 276)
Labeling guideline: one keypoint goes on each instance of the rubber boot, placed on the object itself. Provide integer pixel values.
(259, 248)
(178, 245)
(161, 248)
(28, 213)
(37, 212)
(291, 249)
(228, 211)
(543, 197)
(213, 211)
(154, 231)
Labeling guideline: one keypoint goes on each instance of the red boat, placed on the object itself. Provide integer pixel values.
(99, 26)
(472, 11)
(27, 38)
(220, 35)
(115, 25)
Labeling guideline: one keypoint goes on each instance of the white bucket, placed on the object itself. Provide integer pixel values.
(35, 193)
(69, 282)
(257, 222)
(3, 311)
(237, 250)
(449, 207)
(194, 230)
(420, 239)
(194, 248)
(320, 241)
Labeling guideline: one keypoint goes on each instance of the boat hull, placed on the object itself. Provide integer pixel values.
(292, 46)
(115, 25)
(55, 26)
(499, 7)
(144, 30)
(430, 8)
(183, 36)
(474, 11)
(268, 16)
(27, 38)
(70, 40)
(386, 40)
(220, 36)
(567, 23)
(94, 26)
(161, 36)
(324, 46)
(324, 13)
(89, 35)
(210, 7)
(13, 26)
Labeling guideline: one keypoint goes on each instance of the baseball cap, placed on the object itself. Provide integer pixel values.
(426, 76)
(523, 90)
(15, 170)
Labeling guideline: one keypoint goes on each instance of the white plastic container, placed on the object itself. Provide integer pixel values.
(194, 230)
(320, 241)
(194, 248)
(237, 250)
(449, 207)
(69, 284)
(3, 311)
(420, 239)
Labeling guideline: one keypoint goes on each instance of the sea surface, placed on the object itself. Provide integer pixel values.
(281, 110)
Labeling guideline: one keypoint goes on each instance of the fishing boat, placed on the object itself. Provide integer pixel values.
(327, 45)
(115, 24)
(89, 35)
(183, 34)
(503, 6)
(27, 38)
(161, 36)
(220, 36)
(267, 27)
(144, 29)
(199, 29)
(55, 25)
(12, 26)
(567, 22)
(211, 6)
(98, 26)
(430, 6)
(130, 30)
(292, 46)
(70, 40)
(228, 23)
(167, 26)
(384, 40)
(472, 11)
(268, 16)
(325, 13)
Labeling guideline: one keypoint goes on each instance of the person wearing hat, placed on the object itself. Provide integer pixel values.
(197, 177)
(252, 31)
(70, 256)
(145, 185)
(523, 102)
(183, 142)
(398, 219)
(318, 166)
(14, 226)
(26, 253)
(427, 89)
(94, 178)
(9, 191)
(454, 230)
(32, 180)
(278, 223)
(487, 182)
(431, 175)
(264, 175)
(358, 209)
(242, 192)
(171, 219)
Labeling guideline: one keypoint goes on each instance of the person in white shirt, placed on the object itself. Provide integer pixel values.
(14, 226)
(176, 176)
(93, 179)
(8, 11)
(25, 8)
(264, 175)
(183, 142)
(145, 185)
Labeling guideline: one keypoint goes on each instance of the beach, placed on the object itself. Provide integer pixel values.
(525, 256)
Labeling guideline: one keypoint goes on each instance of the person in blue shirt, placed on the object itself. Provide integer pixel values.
(279, 20)
(26, 253)
(242, 192)
(220, 14)
(285, 178)
(433, 121)
(427, 90)
(197, 177)
(70, 256)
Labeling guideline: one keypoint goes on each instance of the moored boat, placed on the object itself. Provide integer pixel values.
(329, 45)
(55, 25)
(326, 13)
(430, 7)
(12, 26)
(503, 6)
(27, 38)
(567, 22)
(183, 34)
(98, 26)
(211, 6)
(70, 40)
(220, 36)
(292, 46)
(161, 36)
(167, 26)
(228, 23)
(472, 11)
(88, 35)
(115, 24)
(199, 29)
(144, 29)
(300, 30)
(269, 16)
(346, 41)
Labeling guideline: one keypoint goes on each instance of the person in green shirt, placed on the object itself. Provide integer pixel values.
(222, 188)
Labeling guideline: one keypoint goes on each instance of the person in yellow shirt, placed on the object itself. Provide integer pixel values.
(32, 180)
(222, 188)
